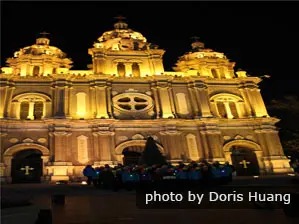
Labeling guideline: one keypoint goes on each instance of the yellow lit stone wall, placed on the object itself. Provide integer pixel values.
(201, 110)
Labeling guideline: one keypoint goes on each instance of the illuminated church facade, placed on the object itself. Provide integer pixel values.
(66, 119)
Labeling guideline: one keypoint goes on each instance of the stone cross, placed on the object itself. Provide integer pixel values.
(44, 34)
(27, 169)
(244, 163)
(120, 18)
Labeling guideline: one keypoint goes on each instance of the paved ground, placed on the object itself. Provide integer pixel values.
(87, 205)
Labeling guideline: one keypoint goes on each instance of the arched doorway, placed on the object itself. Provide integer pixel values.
(132, 148)
(132, 155)
(27, 166)
(244, 160)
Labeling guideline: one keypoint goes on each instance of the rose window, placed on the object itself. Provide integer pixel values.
(132, 102)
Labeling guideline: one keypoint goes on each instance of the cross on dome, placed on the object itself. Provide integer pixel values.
(196, 44)
(43, 39)
(195, 38)
(44, 34)
(120, 24)
(120, 18)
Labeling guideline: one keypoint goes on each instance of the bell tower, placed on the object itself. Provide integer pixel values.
(124, 52)
(39, 59)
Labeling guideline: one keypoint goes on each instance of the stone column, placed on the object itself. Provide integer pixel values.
(128, 67)
(228, 111)
(31, 111)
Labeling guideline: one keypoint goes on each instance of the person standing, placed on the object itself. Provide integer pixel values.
(90, 173)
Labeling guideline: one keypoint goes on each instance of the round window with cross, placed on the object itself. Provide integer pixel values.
(132, 102)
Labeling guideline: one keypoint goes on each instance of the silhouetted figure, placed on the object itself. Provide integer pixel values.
(90, 173)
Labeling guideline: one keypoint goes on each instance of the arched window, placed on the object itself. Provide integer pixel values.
(81, 104)
(35, 70)
(214, 73)
(30, 106)
(227, 106)
(135, 70)
(121, 69)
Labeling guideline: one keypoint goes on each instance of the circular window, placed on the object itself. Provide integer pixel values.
(132, 102)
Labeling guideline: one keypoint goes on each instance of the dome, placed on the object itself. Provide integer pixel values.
(41, 47)
(121, 39)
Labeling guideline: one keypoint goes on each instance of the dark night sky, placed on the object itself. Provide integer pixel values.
(261, 37)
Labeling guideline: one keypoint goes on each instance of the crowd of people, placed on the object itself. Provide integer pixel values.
(128, 177)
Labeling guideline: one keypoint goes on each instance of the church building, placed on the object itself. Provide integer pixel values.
(55, 120)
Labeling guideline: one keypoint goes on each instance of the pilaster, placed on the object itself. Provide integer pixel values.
(62, 167)
(164, 97)
(101, 99)
(173, 142)
(104, 145)
(202, 98)
(194, 105)
(61, 101)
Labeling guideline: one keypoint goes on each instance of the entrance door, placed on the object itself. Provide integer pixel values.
(244, 161)
(131, 157)
(27, 167)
